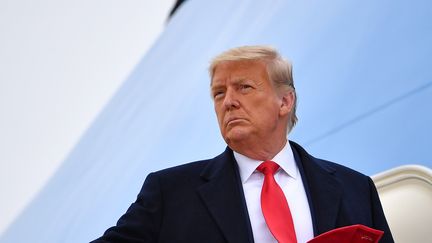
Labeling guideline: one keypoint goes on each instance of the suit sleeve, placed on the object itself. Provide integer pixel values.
(379, 219)
(142, 220)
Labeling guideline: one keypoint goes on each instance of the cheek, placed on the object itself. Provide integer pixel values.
(219, 115)
(267, 111)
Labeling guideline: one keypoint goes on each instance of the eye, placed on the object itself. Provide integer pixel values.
(245, 87)
(218, 94)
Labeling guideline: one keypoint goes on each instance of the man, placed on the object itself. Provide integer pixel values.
(262, 188)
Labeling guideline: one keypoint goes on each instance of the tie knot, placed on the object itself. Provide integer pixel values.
(268, 167)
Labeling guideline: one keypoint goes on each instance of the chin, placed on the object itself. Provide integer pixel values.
(235, 136)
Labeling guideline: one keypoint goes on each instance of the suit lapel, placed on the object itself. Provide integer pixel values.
(223, 196)
(322, 188)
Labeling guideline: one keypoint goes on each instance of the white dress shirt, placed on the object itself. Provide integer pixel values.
(289, 179)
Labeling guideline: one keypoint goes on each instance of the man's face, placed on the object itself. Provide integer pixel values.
(248, 108)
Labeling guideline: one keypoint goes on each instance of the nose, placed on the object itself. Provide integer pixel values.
(230, 100)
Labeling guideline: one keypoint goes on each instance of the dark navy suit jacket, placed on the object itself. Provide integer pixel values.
(203, 201)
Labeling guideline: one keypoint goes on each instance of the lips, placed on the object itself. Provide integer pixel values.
(233, 120)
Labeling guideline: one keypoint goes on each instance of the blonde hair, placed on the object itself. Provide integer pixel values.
(279, 70)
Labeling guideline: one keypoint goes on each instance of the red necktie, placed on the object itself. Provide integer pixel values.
(275, 207)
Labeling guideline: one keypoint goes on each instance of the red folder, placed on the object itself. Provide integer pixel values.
(349, 234)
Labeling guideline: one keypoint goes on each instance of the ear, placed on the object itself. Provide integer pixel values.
(287, 103)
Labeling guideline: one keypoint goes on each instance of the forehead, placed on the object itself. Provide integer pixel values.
(238, 70)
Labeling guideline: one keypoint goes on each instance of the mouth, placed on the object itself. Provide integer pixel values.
(233, 120)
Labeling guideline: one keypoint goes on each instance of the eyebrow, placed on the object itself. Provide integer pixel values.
(216, 87)
(236, 81)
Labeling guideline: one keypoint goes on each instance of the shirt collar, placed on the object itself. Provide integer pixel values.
(285, 159)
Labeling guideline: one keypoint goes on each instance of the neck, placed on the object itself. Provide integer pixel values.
(262, 151)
